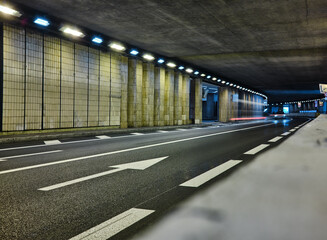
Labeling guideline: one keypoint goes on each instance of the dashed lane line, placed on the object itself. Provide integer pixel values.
(52, 142)
(257, 149)
(275, 139)
(286, 133)
(136, 133)
(103, 137)
(114, 225)
(129, 149)
(212, 173)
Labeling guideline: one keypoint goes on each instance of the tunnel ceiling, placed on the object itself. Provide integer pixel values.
(277, 47)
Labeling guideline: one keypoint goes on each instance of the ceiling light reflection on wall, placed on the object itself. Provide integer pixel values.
(9, 11)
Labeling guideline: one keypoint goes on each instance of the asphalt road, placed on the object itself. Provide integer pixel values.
(115, 186)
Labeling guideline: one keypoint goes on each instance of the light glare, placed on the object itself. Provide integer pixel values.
(10, 11)
(97, 40)
(42, 22)
(134, 52)
(171, 64)
(71, 31)
(117, 46)
(148, 57)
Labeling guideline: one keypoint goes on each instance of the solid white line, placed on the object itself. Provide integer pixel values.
(78, 180)
(52, 142)
(137, 133)
(207, 176)
(286, 133)
(103, 137)
(129, 149)
(275, 139)
(29, 154)
(256, 149)
(162, 131)
(114, 225)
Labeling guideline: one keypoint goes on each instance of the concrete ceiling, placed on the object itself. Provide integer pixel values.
(278, 47)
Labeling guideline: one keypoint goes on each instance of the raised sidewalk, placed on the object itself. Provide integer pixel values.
(281, 194)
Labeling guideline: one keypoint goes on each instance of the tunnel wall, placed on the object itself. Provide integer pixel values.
(50, 83)
(238, 104)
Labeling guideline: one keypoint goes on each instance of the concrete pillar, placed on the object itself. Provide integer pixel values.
(223, 104)
(186, 99)
(159, 96)
(169, 97)
(198, 101)
(148, 94)
(124, 92)
(178, 83)
(135, 72)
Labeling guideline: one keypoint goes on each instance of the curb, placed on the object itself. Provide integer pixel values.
(84, 133)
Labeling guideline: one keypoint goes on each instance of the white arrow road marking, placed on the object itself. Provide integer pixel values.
(103, 137)
(137, 133)
(114, 225)
(257, 149)
(275, 139)
(52, 142)
(29, 154)
(140, 165)
(212, 173)
(128, 149)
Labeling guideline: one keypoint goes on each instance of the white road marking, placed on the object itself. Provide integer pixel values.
(130, 149)
(257, 149)
(88, 140)
(137, 133)
(140, 165)
(181, 129)
(275, 139)
(207, 176)
(292, 130)
(29, 154)
(286, 133)
(162, 131)
(52, 142)
(114, 225)
(103, 137)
